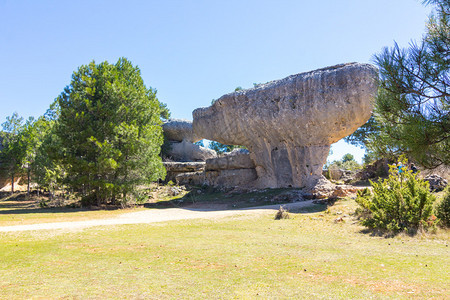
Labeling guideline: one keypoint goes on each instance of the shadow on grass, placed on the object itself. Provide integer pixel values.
(19, 203)
(411, 232)
(213, 200)
(229, 200)
(196, 199)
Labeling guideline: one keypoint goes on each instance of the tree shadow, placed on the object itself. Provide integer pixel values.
(262, 199)
(412, 232)
(205, 200)
(19, 203)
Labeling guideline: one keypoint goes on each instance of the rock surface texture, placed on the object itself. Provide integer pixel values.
(187, 151)
(437, 183)
(232, 170)
(182, 138)
(288, 125)
(176, 168)
(179, 130)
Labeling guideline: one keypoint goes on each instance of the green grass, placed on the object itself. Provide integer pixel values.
(308, 256)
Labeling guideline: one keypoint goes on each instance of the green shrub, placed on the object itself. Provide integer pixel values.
(443, 209)
(282, 213)
(402, 202)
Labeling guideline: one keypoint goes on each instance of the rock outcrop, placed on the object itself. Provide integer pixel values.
(187, 151)
(231, 161)
(437, 183)
(176, 168)
(181, 139)
(288, 125)
(179, 130)
(232, 170)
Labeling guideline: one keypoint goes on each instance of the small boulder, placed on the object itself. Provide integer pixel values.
(187, 151)
(324, 189)
(437, 183)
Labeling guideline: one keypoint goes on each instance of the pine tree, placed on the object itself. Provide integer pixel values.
(46, 168)
(13, 153)
(412, 107)
(402, 202)
(111, 133)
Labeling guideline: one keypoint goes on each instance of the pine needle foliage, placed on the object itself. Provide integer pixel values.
(402, 202)
(411, 114)
(443, 209)
(111, 133)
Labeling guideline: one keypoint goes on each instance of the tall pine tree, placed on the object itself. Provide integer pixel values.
(12, 152)
(111, 133)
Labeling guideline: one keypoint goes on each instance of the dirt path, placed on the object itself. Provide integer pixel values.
(156, 215)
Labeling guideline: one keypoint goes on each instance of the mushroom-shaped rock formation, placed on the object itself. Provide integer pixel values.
(289, 124)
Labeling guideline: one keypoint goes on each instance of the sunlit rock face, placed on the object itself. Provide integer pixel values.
(288, 125)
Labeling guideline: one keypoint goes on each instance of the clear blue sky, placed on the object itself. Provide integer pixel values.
(191, 51)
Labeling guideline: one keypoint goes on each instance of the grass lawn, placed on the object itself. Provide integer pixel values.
(307, 256)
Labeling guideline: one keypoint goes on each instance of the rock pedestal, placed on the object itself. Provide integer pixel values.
(288, 125)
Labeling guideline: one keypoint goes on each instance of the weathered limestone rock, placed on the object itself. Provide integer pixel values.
(230, 162)
(191, 178)
(182, 167)
(289, 124)
(175, 168)
(187, 151)
(323, 189)
(179, 130)
(182, 138)
(230, 178)
(335, 173)
(5, 184)
(232, 170)
(437, 183)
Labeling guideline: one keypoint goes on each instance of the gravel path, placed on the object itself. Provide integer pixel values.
(156, 215)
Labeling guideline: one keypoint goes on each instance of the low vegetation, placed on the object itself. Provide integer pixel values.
(401, 202)
(443, 209)
(282, 213)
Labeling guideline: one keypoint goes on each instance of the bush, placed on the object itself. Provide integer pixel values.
(443, 209)
(402, 202)
(282, 213)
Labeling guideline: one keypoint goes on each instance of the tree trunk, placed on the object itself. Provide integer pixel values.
(12, 183)
(28, 183)
(50, 191)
